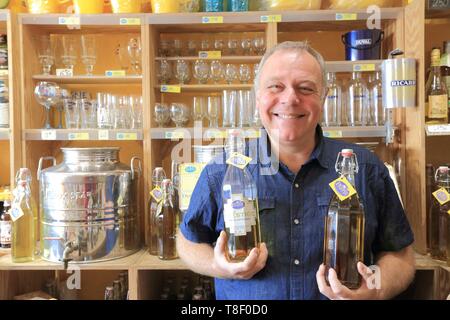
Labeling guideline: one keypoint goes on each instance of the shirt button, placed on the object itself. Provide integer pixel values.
(296, 262)
(297, 186)
(296, 221)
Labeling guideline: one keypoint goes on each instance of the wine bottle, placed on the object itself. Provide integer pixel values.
(436, 98)
(155, 199)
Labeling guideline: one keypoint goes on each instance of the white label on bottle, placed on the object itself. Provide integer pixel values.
(5, 233)
(239, 215)
(437, 106)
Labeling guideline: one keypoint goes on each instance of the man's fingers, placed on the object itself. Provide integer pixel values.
(338, 288)
(364, 271)
(219, 249)
(322, 284)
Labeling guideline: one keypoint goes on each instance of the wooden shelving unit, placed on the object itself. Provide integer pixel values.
(26, 142)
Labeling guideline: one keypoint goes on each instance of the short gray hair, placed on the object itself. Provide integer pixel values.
(294, 46)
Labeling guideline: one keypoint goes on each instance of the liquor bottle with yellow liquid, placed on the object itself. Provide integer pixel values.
(23, 213)
(445, 69)
(344, 224)
(240, 201)
(436, 103)
(155, 202)
(166, 220)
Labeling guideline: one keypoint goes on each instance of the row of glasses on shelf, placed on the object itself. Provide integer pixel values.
(88, 52)
(237, 108)
(231, 46)
(108, 111)
(203, 71)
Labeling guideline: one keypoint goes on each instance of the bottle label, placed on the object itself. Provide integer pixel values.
(239, 215)
(16, 213)
(5, 233)
(342, 188)
(437, 106)
(156, 194)
(442, 196)
(238, 160)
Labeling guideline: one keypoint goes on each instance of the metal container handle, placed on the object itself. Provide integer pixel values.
(133, 169)
(42, 159)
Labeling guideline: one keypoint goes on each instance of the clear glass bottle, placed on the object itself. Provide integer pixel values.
(166, 222)
(436, 97)
(377, 112)
(240, 200)
(439, 217)
(344, 228)
(157, 177)
(357, 101)
(175, 177)
(5, 226)
(23, 214)
(445, 70)
(333, 103)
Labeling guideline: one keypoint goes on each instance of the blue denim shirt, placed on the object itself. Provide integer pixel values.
(292, 209)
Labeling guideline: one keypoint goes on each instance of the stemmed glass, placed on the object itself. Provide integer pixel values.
(134, 51)
(182, 71)
(201, 71)
(232, 45)
(47, 94)
(179, 113)
(162, 114)
(216, 71)
(69, 54)
(122, 57)
(259, 45)
(246, 45)
(88, 53)
(244, 73)
(230, 73)
(213, 111)
(46, 53)
(164, 72)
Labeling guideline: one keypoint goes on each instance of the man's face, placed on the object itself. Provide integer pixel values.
(290, 96)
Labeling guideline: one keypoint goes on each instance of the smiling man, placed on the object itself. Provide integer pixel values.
(293, 201)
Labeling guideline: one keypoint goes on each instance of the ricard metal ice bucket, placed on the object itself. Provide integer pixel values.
(88, 206)
(399, 82)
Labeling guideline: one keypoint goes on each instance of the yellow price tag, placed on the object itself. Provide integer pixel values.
(342, 188)
(364, 67)
(442, 196)
(271, 18)
(174, 135)
(156, 194)
(78, 136)
(238, 160)
(346, 16)
(69, 21)
(4, 73)
(170, 89)
(126, 136)
(115, 73)
(130, 21)
(332, 134)
(212, 19)
(210, 54)
(216, 134)
(103, 135)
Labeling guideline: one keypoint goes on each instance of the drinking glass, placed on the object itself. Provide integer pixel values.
(246, 46)
(182, 71)
(204, 45)
(230, 73)
(213, 111)
(65, 95)
(164, 48)
(244, 73)
(198, 108)
(88, 112)
(201, 71)
(177, 48)
(122, 113)
(134, 51)
(47, 94)
(216, 71)
(104, 111)
(255, 70)
(219, 44)
(136, 112)
(122, 57)
(192, 48)
(69, 52)
(72, 114)
(232, 46)
(179, 113)
(259, 45)
(164, 72)
(229, 102)
(46, 53)
(162, 114)
(243, 108)
(88, 52)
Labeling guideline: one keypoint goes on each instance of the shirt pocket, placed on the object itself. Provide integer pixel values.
(267, 222)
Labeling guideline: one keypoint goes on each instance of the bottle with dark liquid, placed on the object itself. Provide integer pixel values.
(166, 222)
(155, 200)
(344, 228)
(240, 203)
(439, 216)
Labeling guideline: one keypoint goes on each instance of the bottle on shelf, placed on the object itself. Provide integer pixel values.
(166, 224)
(344, 224)
(430, 187)
(5, 226)
(377, 112)
(175, 177)
(436, 97)
(239, 193)
(357, 98)
(155, 203)
(109, 293)
(439, 214)
(333, 102)
(23, 215)
(4, 105)
(445, 69)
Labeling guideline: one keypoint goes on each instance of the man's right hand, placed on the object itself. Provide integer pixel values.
(244, 270)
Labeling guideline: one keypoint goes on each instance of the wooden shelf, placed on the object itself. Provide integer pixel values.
(82, 134)
(40, 264)
(5, 134)
(149, 262)
(90, 79)
(254, 59)
(425, 262)
(210, 87)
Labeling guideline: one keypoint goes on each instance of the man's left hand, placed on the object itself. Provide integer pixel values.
(337, 291)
